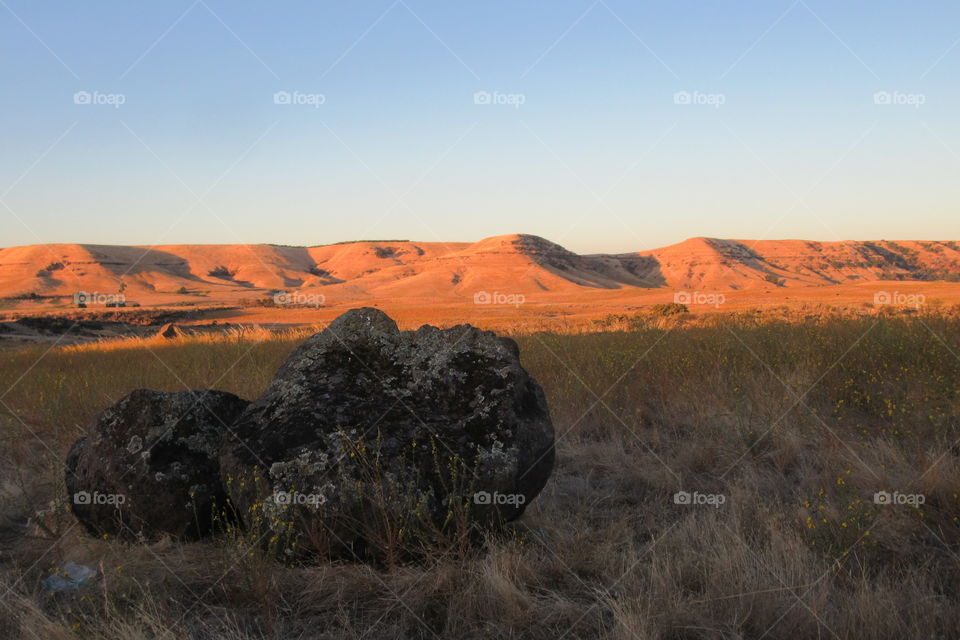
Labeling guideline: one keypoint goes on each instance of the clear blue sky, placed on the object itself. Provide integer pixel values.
(599, 156)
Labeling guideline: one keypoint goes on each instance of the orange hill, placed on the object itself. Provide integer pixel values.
(436, 271)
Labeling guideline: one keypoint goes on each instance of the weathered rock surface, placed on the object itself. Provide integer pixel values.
(149, 465)
(365, 424)
(170, 331)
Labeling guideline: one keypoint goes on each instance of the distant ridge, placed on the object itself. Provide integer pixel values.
(517, 262)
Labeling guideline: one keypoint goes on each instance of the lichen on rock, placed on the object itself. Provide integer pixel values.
(150, 466)
(401, 427)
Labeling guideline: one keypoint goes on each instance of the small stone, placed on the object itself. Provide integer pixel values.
(170, 331)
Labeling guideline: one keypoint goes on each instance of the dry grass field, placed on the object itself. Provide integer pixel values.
(715, 480)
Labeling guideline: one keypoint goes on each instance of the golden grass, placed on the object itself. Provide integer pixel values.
(797, 425)
(244, 334)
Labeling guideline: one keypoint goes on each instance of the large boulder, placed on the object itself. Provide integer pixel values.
(150, 464)
(370, 437)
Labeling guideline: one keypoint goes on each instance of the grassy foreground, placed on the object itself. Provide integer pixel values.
(780, 433)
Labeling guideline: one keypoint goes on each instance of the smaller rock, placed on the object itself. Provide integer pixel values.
(150, 464)
(170, 331)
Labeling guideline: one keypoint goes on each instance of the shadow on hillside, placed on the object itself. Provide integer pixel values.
(605, 271)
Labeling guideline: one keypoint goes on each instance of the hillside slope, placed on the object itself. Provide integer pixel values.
(434, 270)
(715, 264)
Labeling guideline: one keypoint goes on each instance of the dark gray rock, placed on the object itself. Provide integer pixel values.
(368, 433)
(150, 464)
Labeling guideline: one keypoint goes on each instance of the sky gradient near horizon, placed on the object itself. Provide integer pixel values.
(603, 125)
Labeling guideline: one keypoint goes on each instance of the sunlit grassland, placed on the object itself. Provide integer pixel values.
(796, 424)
